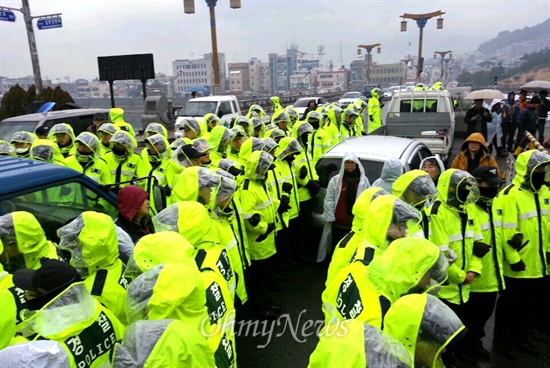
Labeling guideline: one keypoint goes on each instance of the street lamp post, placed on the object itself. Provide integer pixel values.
(447, 68)
(369, 49)
(189, 8)
(443, 54)
(421, 20)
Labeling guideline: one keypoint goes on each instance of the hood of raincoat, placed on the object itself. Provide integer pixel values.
(440, 163)
(192, 180)
(335, 114)
(276, 101)
(129, 200)
(156, 128)
(46, 150)
(217, 135)
(36, 354)
(73, 307)
(159, 248)
(158, 141)
(424, 324)
(23, 137)
(526, 163)
(62, 128)
(391, 170)
(24, 231)
(403, 264)
(124, 138)
(280, 116)
(89, 140)
(248, 146)
(288, 146)
(6, 148)
(363, 181)
(163, 343)
(7, 318)
(414, 187)
(361, 204)
(92, 240)
(166, 291)
(447, 185)
(190, 219)
(475, 138)
(116, 115)
(384, 211)
(256, 108)
(257, 165)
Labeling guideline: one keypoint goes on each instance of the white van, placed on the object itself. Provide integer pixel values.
(78, 119)
(225, 107)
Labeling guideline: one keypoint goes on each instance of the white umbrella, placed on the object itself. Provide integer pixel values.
(536, 86)
(484, 94)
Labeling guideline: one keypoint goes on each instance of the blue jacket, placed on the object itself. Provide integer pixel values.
(510, 113)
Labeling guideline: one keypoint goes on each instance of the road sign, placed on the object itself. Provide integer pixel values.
(49, 23)
(7, 15)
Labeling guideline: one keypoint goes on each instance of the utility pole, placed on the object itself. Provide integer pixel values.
(369, 49)
(443, 61)
(406, 62)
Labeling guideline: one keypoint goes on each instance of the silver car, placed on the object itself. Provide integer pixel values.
(372, 151)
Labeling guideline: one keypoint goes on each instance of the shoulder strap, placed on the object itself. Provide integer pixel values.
(99, 283)
(435, 207)
(246, 184)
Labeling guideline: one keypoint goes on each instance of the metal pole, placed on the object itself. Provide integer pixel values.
(112, 93)
(442, 73)
(419, 65)
(32, 45)
(214, 50)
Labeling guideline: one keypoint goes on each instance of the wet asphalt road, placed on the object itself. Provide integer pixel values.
(290, 340)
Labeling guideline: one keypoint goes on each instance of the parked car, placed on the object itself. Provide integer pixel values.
(301, 104)
(78, 119)
(225, 107)
(53, 194)
(349, 98)
(372, 151)
(427, 116)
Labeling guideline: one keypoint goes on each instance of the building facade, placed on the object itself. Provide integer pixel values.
(331, 81)
(386, 74)
(239, 77)
(197, 73)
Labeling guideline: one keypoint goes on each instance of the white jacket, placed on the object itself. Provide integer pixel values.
(392, 169)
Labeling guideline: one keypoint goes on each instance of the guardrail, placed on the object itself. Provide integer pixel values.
(266, 104)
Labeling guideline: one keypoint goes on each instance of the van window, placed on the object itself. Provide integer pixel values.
(235, 107)
(225, 108)
(198, 108)
(429, 105)
(7, 129)
(78, 123)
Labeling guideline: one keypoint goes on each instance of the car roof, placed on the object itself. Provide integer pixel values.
(308, 98)
(19, 173)
(213, 98)
(54, 115)
(372, 146)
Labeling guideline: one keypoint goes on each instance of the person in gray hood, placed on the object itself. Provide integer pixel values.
(433, 166)
(391, 170)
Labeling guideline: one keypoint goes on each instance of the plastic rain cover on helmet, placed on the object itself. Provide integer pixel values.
(293, 147)
(179, 157)
(106, 128)
(158, 143)
(213, 118)
(438, 274)
(257, 144)
(68, 240)
(351, 112)
(155, 128)
(61, 128)
(263, 165)
(438, 327)
(225, 192)
(465, 189)
(92, 142)
(269, 144)
(280, 117)
(238, 131)
(36, 354)
(177, 143)
(305, 128)
(292, 113)
(8, 237)
(277, 133)
(226, 164)
(123, 138)
(404, 218)
(45, 150)
(202, 145)
(23, 137)
(420, 190)
(383, 350)
(167, 219)
(191, 124)
(314, 115)
(6, 148)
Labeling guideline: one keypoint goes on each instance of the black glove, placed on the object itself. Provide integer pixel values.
(371, 118)
(254, 220)
(167, 191)
(303, 172)
(287, 187)
(270, 228)
(518, 267)
(516, 242)
(481, 249)
(284, 205)
(314, 187)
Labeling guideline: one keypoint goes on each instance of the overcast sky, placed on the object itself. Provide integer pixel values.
(95, 28)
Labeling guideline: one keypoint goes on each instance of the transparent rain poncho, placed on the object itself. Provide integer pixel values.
(238, 131)
(45, 150)
(123, 138)
(337, 110)
(23, 137)
(224, 194)
(305, 128)
(245, 124)
(292, 113)
(177, 143)
(280, 117)
(263, 165)
(191, 124)
(155, 128)
(463, 189)
(179, 157)
(107, 128)
(269, 144)
(202, 145)
(351, 112)
(158, 143)
(167, 219)
(36, 354)
(257, 144)
(8, 237)
(404, 218)
(293, 147)
(315, 115)
(277, 134)
(383, 350)
(536, 159)
(68, 240)
(213, 118)
(419, 191)
(92, 142)
(61, 128)
(6, 149)
(228, 165)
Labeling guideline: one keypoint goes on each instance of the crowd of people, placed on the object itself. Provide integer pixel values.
(216, 219)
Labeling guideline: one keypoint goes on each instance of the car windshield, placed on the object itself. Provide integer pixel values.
(7, 129)
(54, 206)
(352, 95)
(302, 102)
(198, 108)
(329, 166)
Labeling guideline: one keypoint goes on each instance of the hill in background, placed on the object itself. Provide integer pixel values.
(538, 34)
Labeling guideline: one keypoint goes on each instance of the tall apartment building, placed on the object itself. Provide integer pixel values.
(239, 77)
(197, 72)
(259, 80)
